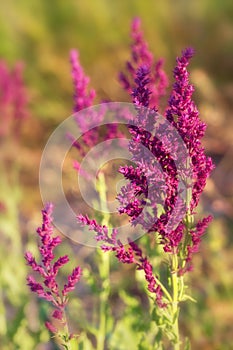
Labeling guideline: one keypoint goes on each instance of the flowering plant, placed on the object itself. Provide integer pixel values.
(174, 228)
(163, 189)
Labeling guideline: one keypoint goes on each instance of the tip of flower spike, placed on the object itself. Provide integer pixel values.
(49, 207)
(136, 22)
(73, 279)
(29, 258)
(74, 54)
(188, 52)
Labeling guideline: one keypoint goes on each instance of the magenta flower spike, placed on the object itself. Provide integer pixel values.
(13, 99)
(82, 97)
(47, 271)
(188, 124)
(130, 254)
(84, 116)
(183, 114)
(142, 57)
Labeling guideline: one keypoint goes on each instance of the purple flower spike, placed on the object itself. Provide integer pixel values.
(13, 99)
(130, 254)
(144, 264)
(84, 116)
(102, 232)
(82, 98)
(73, 279)
(48, 269)
(189, 125)
(142, 57)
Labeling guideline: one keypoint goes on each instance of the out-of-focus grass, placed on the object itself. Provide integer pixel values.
(41, 33)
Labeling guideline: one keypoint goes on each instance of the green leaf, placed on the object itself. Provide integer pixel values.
(188, 297)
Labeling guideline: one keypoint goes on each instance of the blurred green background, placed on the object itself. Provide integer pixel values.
(41, 33)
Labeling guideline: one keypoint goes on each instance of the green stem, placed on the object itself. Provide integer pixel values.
(65, 336)
(3, 320)
(103, 267)
(175, 301)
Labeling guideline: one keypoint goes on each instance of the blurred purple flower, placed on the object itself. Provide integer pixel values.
(13, 99)
(82, 98)
(142, 57)
(86, 118)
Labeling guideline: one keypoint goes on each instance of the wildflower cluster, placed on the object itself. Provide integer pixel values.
(174, 223)
(48, 270)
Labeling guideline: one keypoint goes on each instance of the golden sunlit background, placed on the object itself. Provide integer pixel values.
(40, 34)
